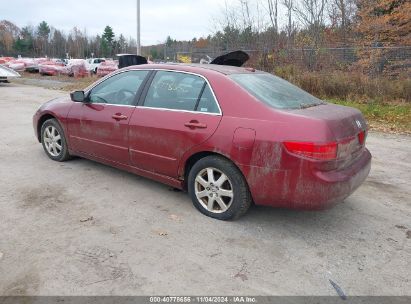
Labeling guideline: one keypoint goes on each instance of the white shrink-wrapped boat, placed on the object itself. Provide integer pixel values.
(7, 73)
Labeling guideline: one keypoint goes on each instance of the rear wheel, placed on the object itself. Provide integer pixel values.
(53, 141)
(218, 188)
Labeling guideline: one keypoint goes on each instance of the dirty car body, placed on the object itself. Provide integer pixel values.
(291, 149)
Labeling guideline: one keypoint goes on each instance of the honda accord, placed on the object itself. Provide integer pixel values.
(229, 136)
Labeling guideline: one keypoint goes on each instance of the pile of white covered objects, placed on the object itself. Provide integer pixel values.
(107, 67)
(78, 68)
(53, 67)
(22, 64)
(46, 66)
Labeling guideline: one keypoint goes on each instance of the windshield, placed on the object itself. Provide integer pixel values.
(275, 92)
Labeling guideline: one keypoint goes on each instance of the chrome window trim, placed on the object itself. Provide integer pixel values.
(163, 109)
(182, 111)
(110, 104)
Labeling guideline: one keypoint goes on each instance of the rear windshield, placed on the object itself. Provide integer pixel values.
(275, 92)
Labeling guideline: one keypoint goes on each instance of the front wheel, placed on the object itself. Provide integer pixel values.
(218, 188)
(54, 141)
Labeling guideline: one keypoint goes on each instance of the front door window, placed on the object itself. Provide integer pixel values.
(120, 89)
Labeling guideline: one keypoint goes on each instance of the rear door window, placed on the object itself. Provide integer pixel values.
(174, 90)
(207, 103)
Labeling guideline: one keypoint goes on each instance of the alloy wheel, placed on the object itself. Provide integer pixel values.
(214, 190)
(52, 141)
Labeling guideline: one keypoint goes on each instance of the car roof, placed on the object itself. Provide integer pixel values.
(223, 69)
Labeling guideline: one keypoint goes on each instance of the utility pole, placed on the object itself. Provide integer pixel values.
(138, 29)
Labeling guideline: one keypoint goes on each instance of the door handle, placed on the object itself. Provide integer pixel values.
(119, 116)
(194, 124)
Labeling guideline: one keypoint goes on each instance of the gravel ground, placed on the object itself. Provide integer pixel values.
(81, 228)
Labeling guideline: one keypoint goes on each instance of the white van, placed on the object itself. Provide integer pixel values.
(93, 63)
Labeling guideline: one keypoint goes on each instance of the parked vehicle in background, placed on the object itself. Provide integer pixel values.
(228, 135)
(32, 65)
(52, 67)
(107, 67)
(92, 64)
(7, 73)
(5, 60)
(18, 65)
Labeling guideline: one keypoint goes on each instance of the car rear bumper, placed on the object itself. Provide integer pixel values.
(304, 189)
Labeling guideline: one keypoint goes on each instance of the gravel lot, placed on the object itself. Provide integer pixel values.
(81, 228)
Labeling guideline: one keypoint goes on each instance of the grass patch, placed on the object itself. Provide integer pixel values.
(385, 117)
(350, 85)
(80, 84)
(68, 84)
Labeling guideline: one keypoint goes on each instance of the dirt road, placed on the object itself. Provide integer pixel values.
(81, 228)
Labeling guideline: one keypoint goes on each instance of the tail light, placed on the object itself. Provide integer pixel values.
(326, 151)
(361, 137)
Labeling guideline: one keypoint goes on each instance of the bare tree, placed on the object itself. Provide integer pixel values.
(8, 32)
(289, 5)
(341, 13)
(230, 18)
(246, 15)
(273, 13)
(311, 14)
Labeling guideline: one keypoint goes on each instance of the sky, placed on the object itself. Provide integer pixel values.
(181, 19)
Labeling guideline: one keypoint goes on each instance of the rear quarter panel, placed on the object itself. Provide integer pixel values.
(262, 159)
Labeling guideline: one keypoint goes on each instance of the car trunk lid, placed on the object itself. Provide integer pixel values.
(346, 124)
(343, 121)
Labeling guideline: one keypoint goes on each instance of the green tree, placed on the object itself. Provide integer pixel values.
(43, 31)
(24, 43)
(108, 34)
(169, 41)
(154, 53)
(58, 43)
(105, 48)
(107, 42)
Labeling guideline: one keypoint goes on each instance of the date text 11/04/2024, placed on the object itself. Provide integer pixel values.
(203, 299)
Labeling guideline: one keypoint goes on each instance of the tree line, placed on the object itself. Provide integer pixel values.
(366, 31)
(45, 40)
(244, 24)
(314, 24)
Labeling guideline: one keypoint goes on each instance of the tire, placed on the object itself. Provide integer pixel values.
(227, 188)
(54, 141)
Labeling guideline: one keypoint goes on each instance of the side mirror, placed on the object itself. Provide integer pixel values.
(78, 96)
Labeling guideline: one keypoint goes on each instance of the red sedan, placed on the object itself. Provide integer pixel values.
(228, 135)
